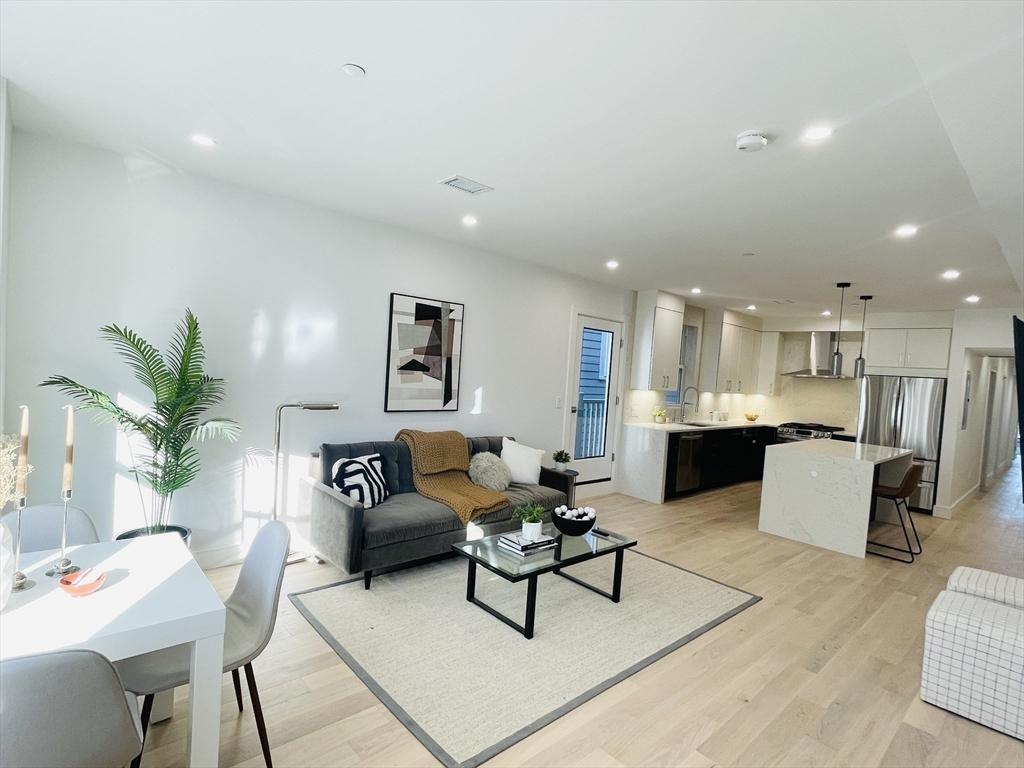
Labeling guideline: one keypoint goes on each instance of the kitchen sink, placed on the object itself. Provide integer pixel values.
(699, 423)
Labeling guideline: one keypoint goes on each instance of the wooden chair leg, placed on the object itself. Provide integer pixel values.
(238, 687)
(147, 710)
(261, 726)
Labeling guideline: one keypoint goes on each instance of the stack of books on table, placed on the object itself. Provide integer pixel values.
(517, 545)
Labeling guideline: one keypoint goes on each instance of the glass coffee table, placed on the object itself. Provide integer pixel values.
(569, 550)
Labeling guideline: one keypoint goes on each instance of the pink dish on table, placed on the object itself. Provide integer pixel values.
(83, 583)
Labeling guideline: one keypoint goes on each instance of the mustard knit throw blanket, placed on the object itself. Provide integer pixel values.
(440, 471)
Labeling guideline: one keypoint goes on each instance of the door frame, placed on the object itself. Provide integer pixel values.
(568, 397)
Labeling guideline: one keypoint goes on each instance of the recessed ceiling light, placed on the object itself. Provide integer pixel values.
(950, 274)
(695, 290)
(468, 221)
(751, 307)
(613, 264)
(906, 230)
(817, 133)
(202, 140)
(972, 299)
(353, 70)
(827, 313)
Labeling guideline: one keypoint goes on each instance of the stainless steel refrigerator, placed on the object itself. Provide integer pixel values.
(906, 412)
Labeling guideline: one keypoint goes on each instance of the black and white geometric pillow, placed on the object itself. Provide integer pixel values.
(362, 479)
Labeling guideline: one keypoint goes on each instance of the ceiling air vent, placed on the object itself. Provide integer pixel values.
(468, 186)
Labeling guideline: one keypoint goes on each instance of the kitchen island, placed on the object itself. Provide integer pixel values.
(820, 491)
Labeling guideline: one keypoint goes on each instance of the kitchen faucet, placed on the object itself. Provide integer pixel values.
(683, 402)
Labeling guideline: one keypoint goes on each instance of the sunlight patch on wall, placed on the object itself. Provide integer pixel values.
(307, 336)
(259, 334)
(132, 497)
(478, 401)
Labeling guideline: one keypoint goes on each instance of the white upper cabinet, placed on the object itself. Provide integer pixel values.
(657, 341)
(908, 347)
(729, 359)
(887, 347)
(738, 359)
(928, 347)
(668, 336)
(750, 351)
(768, 381)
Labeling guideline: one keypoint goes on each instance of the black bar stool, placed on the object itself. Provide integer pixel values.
(898, 496)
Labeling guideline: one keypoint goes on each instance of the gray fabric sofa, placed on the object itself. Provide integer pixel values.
(407, 527)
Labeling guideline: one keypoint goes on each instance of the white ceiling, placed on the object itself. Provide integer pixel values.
(606, 129)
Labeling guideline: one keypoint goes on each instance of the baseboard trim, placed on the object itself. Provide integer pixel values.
(218, 557)
(593, 489)
(946, 512)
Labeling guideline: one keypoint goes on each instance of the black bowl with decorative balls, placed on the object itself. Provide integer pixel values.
(574, 522)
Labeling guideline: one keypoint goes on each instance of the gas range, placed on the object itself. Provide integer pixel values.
(798, 430)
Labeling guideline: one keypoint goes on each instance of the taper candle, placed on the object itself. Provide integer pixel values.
(21, 474)
(69, 449)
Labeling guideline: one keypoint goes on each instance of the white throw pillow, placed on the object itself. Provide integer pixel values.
(523, 461)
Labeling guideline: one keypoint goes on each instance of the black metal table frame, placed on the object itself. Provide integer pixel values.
(526, 629)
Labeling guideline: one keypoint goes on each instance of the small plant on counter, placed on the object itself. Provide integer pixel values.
(658, 414)
(561, 459)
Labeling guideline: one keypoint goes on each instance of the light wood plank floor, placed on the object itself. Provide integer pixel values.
(823, 671)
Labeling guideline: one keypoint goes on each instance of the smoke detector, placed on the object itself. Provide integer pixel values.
(751, 141)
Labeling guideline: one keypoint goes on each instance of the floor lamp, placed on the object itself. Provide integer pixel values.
(303, 405)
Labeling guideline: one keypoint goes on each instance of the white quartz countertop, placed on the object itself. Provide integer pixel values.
(672, 427)
(839, 449)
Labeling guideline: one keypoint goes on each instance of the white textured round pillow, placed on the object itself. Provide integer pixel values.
(488, 471)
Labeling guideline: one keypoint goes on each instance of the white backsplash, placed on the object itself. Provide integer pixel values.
(827, 402)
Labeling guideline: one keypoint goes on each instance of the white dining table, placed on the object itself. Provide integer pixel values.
(155, 596)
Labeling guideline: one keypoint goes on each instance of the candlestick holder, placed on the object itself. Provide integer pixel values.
(21, 582)
(63, 565)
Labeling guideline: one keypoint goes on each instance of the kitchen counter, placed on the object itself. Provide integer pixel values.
(820, 491)
(643, 458)
(675, 427)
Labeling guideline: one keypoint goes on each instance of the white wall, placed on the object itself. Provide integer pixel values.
(975, 332)
(293, 301)
(6, 131)
(1000, 416)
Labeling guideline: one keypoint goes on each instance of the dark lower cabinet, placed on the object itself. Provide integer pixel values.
(726, 456)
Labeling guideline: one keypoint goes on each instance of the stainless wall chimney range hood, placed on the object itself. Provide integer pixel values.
(818, 360)
(822, 357)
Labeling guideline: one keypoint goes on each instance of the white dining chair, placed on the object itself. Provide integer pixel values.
(251, 613)
(41, 527)
(66, 709)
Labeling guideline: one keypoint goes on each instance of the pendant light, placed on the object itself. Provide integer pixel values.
(837, 356)
(860, 363)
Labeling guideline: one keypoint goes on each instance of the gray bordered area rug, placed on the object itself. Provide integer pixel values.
(468, 686)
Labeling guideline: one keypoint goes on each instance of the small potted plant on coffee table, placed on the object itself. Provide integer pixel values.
(532, 517)
(562, 460)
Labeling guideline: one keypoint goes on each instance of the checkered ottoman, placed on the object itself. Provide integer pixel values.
(974, 650)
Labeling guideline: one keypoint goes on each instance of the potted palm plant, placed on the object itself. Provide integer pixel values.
(182, 394)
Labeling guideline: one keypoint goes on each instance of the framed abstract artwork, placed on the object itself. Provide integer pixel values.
(424, 354)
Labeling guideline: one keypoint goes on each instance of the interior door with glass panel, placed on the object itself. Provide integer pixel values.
(593, 406)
